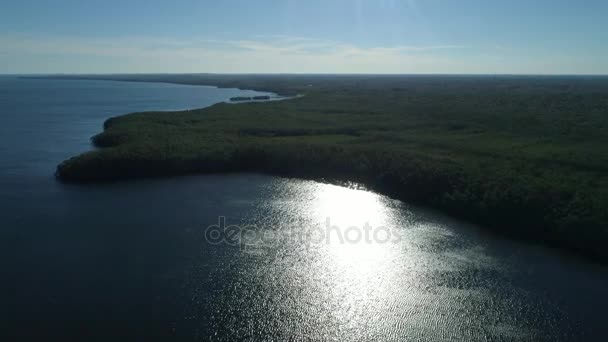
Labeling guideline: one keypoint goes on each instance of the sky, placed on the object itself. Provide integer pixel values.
(304, 36)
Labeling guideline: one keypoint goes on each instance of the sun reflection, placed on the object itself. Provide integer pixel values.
(348, 207)
(358, 268)
(357, 229)
(420, 282)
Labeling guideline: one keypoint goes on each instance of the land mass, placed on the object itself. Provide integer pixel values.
(525, 156)
(250, 98)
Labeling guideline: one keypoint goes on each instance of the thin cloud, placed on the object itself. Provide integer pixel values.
(142, 46)
(269, 54)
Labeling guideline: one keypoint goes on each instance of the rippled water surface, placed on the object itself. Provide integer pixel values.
(249, 257)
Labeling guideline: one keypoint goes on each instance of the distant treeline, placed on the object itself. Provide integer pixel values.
(524, 156)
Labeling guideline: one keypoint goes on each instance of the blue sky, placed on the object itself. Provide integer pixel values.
(304, 36)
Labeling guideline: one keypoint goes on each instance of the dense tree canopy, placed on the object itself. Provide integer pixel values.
(526, 156)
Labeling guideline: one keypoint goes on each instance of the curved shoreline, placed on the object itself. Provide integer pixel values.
(169, 79)
(499, 228)
(280, 141)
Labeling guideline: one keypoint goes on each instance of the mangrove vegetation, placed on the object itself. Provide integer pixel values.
(525, 156)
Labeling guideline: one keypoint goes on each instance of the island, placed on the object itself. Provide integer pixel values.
(241, 98)
(250, 98)
(523, 156)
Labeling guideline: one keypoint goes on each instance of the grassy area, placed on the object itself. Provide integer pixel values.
(526, 156)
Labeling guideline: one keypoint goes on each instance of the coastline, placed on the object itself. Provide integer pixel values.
(170, 79)
(405, 175)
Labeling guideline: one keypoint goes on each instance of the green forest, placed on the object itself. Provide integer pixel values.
(525, 156)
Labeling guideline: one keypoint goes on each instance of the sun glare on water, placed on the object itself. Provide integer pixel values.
(355, 224)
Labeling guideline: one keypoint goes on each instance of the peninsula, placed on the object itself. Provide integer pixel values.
(525, 156)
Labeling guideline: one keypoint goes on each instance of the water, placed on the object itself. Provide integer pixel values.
(136, 261)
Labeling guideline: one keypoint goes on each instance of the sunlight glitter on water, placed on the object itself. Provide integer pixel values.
(358, 236)
(429, 281)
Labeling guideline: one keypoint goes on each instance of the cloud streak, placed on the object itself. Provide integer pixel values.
(51, 54)
(141, 46)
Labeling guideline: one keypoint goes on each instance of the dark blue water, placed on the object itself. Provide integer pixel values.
(132, 260)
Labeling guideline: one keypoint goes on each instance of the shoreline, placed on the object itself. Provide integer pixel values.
(302, 152)
(157, 78)
(557, 246)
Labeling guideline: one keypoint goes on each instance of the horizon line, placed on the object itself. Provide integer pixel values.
(296, 74)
